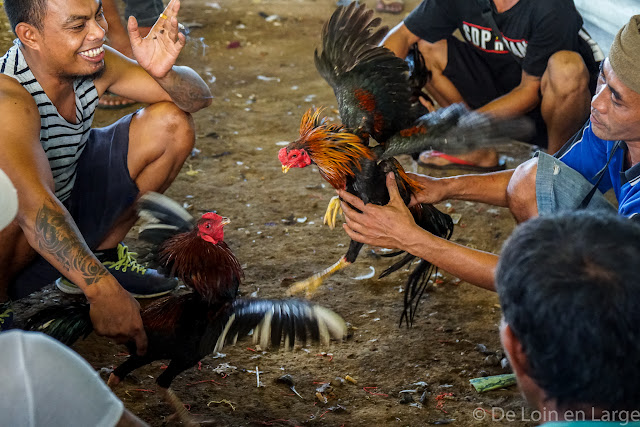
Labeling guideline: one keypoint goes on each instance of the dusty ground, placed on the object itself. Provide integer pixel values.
(261, 90)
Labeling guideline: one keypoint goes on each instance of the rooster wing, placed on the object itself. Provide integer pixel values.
(369, 81)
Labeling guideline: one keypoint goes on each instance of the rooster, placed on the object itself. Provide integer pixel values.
(378, 100)
(185, 328)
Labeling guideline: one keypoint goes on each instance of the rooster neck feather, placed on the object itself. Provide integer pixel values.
(333, 148)
(211, 270)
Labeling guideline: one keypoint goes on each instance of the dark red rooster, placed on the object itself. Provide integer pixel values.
(374, 93)
(185, 328)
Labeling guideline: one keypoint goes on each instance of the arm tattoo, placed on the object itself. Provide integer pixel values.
(187, 89)
(56, 236)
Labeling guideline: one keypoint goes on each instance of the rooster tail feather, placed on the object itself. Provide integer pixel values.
(163, 216)
(398, 265)
(414, 289)
(66, 323)
(280, 322)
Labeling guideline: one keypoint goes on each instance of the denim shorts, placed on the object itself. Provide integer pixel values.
(146, 12)
(561, 188)
(103, 190)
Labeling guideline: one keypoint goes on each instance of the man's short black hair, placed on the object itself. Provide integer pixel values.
(569, 286)
(28, 11)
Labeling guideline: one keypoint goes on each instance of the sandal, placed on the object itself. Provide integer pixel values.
(110, 101)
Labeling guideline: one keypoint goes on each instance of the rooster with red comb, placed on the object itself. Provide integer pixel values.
(186, 327)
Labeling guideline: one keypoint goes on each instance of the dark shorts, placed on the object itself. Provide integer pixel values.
(480, 82)
(102, 192)
(146, 12)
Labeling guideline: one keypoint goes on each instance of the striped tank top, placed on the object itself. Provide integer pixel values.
(63, 142)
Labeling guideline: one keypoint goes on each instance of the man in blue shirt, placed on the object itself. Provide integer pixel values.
(610, 142)
(570, 329)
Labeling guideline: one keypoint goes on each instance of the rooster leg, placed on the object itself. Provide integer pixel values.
(333, 209)
(312, 283)
(181, 412)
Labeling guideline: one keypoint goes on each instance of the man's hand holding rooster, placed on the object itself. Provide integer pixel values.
(389, 226)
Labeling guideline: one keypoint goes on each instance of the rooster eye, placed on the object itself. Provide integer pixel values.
(208, 225)
(293, 156)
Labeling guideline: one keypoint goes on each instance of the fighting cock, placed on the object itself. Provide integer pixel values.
(374, 93)
(185, 328)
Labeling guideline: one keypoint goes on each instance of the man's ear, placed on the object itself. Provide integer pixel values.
(29, 35)
(513, 348)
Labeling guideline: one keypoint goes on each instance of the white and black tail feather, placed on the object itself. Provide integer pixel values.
(67, 323)
(277, 323)
(164, 218)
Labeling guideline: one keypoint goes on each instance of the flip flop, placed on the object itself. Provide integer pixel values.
(110, 101)
(458, 163)
(387, 6)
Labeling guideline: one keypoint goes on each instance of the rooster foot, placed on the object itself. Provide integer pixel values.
(113, 380)
(333, 209)
(181, 412)
(311, 284)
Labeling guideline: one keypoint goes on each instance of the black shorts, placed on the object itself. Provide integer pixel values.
(102, 192)
(480, 82)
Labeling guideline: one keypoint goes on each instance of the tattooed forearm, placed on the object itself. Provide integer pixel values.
(56, 235)
(187, 89)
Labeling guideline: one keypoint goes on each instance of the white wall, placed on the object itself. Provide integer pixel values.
(603, 18)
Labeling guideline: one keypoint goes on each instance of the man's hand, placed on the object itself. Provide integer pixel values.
(115, 313)
(386, 226)
(158, 51)
(432, 190)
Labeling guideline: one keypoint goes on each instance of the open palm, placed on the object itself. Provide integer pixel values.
(158, 51)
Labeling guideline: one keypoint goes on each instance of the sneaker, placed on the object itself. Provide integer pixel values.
(6, 316)
(139, 281)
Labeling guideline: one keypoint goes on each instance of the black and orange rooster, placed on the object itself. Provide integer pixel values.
(374, 92)
(185, 328)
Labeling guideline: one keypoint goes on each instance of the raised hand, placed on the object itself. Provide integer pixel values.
(158, 51)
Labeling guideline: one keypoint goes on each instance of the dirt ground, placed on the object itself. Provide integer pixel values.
(261, 89)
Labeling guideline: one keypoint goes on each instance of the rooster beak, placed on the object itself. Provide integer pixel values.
(285, 168)
(225, 221)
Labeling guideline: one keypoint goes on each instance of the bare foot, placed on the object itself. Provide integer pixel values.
(390, 6)
(481, 160)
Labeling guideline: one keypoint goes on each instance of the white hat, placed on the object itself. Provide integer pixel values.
(8, 200)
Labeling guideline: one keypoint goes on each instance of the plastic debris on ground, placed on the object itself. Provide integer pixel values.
(268, 79)
(484, 384)
(288, 381)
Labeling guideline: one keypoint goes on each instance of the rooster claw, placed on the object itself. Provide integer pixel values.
(309, 286)
(331, 214)
(113, 380)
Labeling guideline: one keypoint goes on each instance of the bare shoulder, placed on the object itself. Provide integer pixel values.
(18, 110)
(12, 93)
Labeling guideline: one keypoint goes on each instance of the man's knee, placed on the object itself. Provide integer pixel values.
(521, 191)
(164, 121)
(15, 253)
(566, 72)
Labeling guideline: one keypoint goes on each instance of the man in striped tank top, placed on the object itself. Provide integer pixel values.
(77, 185)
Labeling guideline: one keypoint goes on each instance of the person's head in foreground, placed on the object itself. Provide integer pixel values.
(569, 287)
